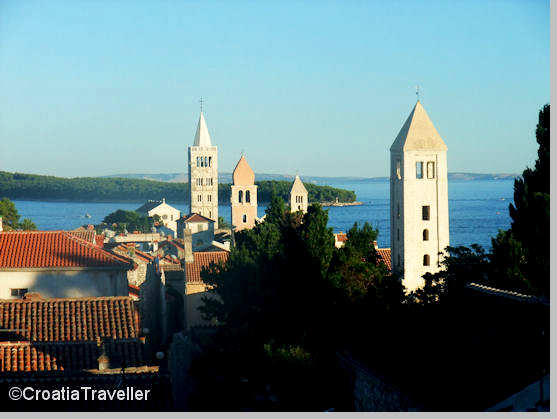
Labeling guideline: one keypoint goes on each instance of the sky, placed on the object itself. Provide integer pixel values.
(319, 88)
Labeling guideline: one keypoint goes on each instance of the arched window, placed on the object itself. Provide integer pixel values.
(205, 161)
(197, 158)
(248, 196)
(426, 234)
(240, 196)
(209, 161)
(398, 169)
(245, 218)
(426, 260)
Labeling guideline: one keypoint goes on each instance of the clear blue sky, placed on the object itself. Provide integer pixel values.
(320, 87)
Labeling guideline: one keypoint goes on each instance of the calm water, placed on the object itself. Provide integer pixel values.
(477, 210)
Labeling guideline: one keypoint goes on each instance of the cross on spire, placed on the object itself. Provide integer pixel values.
(418, 92)
(201, 103)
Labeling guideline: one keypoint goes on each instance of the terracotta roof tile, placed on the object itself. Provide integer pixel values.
(54, 249)
(76, 356)
(385, 257)
(341, 237)
(87, 235)
(68, 319)
(201, 260)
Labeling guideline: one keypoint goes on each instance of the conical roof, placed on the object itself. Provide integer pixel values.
(202, 137)
(243, 175)
(298, 186)
(418, 133)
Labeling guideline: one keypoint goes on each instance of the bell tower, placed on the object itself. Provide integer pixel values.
(419, 199)
(203, 174)
(243, 198)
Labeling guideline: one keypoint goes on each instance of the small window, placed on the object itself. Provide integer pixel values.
(426, 235)
(397, 210)
(398, 233)
(206, 161)
(299, 207)
(164, 216)
(197, 160)
(248, 196)
(419, 170)
(245, 218)
(240, 196)
(199, 198)
(426, 260)
(425, 213)
(301, 199)
(171, 217)
(18, 292)
(210, 215)
(430, 169)
(210, 161)
(398, 169)
(209, 198)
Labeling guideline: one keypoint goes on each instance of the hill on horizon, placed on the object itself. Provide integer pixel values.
(227, 177)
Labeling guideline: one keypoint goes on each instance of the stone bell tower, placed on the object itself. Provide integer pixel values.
(243, 199)
(419, 199)
(298, 196)
(203, 174)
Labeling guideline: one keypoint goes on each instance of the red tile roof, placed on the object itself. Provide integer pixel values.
(87, 235)
(341, 237)
(68, 319)
(200, 260)
(385, 257)
(54, 249)
(55, 356)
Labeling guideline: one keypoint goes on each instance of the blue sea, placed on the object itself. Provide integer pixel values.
(477, 210)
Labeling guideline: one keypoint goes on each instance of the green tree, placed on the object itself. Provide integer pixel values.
(27, 224)
(129, 220)
(530, 210)
(9, 214)
(10, 217)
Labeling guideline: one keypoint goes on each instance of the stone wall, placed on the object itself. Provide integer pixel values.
(371, 393)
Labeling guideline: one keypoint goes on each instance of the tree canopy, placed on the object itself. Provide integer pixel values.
(10, 217)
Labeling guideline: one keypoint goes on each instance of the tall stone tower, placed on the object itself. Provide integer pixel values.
(243, 199)
(203, 174)
(419, 199)
(298, 196)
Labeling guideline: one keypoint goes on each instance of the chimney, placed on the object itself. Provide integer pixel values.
(103, 359)
(375, 244)
(188, 249)
(1, 227)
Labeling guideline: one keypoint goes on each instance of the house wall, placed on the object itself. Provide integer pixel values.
(65, 283)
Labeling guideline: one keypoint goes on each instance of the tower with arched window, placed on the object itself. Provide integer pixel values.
(298, 196)
(203, 174)
(243, 197)
(419, 199)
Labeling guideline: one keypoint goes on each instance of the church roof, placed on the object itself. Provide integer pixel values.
(418, 133)
(298, 186)
(202, 137)
(243, 175)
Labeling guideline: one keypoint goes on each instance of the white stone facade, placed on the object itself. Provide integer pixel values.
(298, 196)
(203, 175)
(419, 199)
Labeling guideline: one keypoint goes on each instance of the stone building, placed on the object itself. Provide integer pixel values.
(167, 213)
(419, 199)
(203, 174)
(202, 230)
(243, 198)
(298, 196)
